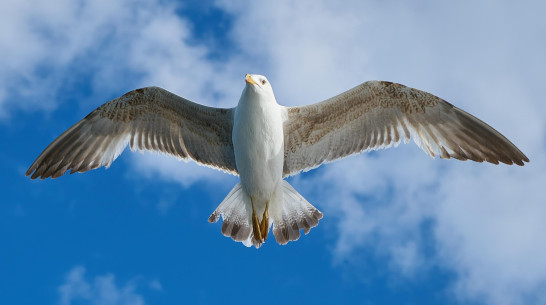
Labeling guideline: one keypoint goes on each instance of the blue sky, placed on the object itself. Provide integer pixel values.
(399, 227)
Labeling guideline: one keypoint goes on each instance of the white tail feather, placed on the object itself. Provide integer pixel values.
(289, 213)
(297, 213)
(235, 215)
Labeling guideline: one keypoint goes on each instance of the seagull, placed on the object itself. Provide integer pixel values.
(263, 142)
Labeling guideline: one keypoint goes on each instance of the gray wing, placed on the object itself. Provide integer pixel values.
(379, 114)
(148, 119)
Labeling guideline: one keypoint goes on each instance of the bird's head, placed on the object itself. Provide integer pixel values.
(258, 84)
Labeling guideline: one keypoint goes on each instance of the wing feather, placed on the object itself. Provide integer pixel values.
(380, 114)
(146, 119)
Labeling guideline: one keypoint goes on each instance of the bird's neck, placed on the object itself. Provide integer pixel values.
(253, 98)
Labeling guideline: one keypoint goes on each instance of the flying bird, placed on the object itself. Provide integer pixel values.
(264, 142)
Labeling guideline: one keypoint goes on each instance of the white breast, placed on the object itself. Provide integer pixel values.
(258, 143)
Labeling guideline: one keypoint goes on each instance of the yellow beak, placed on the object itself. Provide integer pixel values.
(249, 80)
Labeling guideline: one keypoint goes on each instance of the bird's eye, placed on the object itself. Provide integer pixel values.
(263, 82)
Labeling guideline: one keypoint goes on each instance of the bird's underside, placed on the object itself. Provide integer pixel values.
(371, 116)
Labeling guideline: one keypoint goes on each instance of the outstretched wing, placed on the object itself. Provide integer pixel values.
(148, 119)
(379, 114)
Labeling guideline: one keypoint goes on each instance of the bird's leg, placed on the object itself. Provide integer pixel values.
(255, 224)
(264, 225)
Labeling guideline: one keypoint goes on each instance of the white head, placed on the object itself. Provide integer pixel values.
(258, 85)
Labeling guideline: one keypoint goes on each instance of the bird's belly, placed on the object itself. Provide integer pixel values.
(258, 144)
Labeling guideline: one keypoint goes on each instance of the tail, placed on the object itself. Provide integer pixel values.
(288, 211)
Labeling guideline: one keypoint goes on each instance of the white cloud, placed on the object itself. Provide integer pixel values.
(99, 290)
(379, 202)
(167, 167)
(44, 45)
(489, 229)
(40, 40)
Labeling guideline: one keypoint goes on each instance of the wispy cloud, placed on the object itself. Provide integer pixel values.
(43, 44)
(489, 229)
(46, 46)
(100, 290)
